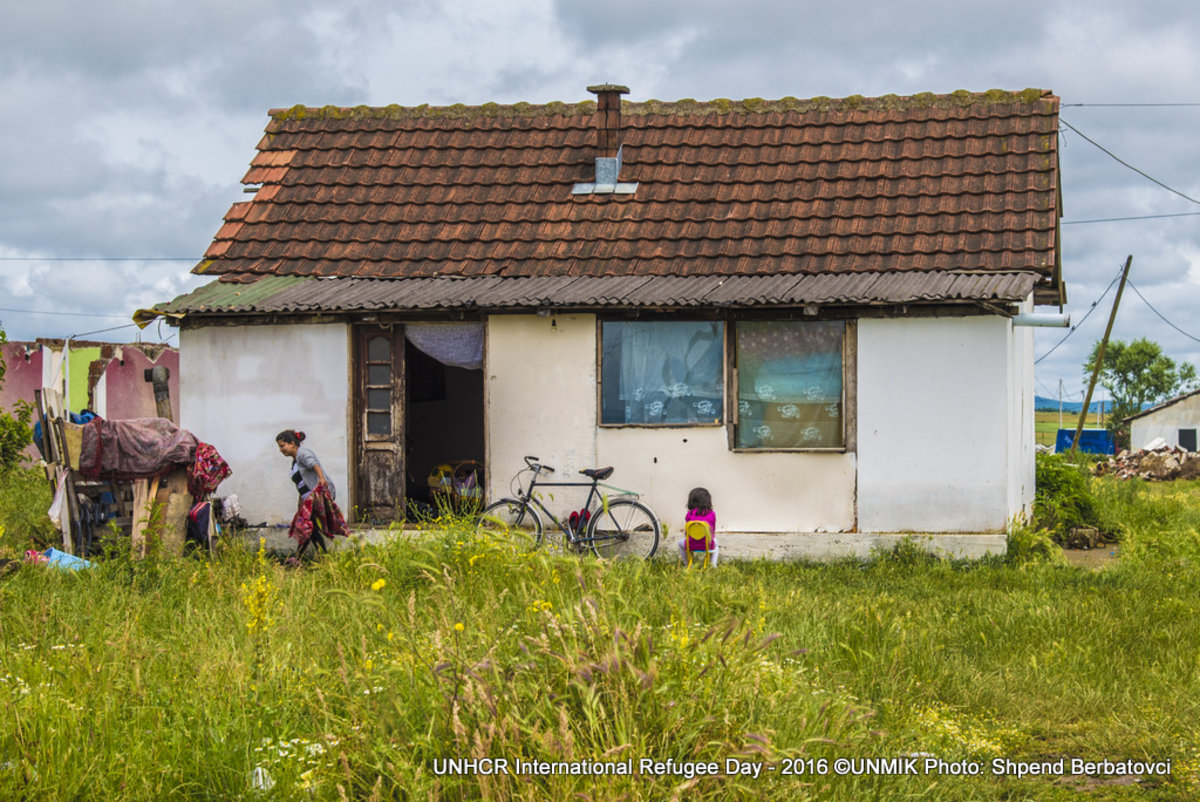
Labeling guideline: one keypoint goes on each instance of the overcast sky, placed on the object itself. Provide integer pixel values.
(130, 124)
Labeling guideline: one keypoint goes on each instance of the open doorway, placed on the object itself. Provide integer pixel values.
(444, 414)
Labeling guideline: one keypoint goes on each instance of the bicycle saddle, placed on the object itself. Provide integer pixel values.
(598, 473)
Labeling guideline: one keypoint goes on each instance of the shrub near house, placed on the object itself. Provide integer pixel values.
(1065, 505)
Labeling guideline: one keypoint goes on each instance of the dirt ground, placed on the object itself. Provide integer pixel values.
(1095, 559)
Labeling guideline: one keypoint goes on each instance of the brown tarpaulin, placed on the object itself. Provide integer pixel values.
(137, 448)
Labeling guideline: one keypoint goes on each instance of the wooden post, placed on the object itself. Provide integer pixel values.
(1087, 400)
(71, 544)
(47, 441)
(144, 493)
(176, 501)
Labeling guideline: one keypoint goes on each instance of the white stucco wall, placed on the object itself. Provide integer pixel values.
(1022, 430)
(540, 395)
(944, 425)
(1166, 423)
(936, 415)
(769, 492)
(241, 385)
(541, 400)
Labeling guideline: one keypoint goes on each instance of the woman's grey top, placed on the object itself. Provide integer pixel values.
(306, 463)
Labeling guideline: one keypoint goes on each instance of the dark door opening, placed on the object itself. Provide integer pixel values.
(444, 446)
(1187, 439)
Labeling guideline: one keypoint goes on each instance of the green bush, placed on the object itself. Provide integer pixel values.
(1064, 498)
(15, 435)
(24, 500)
(1029, 545)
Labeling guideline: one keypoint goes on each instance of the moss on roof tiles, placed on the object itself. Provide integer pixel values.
(231, 295)
(923, 100)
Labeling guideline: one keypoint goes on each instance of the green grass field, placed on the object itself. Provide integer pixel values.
(1046, 425)
(353, 678)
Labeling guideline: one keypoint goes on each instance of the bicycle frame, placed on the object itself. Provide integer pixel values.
(594, 493)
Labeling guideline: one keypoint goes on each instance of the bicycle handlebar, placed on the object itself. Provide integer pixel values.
(532, 463)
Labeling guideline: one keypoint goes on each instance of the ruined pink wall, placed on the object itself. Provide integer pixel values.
(23, 376)
(128, 394)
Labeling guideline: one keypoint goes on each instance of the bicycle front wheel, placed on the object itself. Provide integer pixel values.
(624, 527)
(511, 518)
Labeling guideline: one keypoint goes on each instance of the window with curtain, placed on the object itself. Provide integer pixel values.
(789, 384)
(667, 372)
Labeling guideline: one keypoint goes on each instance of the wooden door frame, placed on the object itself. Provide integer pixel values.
(360, 337)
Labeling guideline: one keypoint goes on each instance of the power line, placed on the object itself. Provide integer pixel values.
(1095, 303)
(1123, 219)
(98, 259)
(1049, 393)
(99, 331)
(1160, 314)
(1119, 160)
(64, 314)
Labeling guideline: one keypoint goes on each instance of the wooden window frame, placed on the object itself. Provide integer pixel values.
(600, 321)
(849, 387)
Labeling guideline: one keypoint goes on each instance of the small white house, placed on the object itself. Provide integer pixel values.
(805, 306)
(1175, 421)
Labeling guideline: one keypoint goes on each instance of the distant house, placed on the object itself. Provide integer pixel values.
(772, 299)
(1175, 421)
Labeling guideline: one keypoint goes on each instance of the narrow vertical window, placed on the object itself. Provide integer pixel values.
(379, 387)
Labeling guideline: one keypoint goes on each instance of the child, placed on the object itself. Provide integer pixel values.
(699, 505)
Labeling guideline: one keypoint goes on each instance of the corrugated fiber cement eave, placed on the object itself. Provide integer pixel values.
(219, 295)
(290, 295)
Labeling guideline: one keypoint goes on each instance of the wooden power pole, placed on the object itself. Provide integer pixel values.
(1087, 401)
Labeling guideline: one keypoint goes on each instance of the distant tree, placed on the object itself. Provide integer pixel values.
(1135, 374)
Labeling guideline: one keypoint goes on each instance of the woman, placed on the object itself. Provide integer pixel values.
(307, 472)
(317, 514)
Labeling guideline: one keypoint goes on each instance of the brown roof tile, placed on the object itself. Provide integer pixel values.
(750, 188)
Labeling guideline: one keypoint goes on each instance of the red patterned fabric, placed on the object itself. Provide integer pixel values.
(317, 508)
(207, 471)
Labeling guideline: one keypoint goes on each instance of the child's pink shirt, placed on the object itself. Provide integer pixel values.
(709, 518)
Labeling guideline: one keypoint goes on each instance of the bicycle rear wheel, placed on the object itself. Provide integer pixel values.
(511, 518)
(624, 527)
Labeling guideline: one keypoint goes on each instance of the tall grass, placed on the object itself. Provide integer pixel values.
(24, 499)
(354, 677)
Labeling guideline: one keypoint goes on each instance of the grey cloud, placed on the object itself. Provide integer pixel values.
(134, 121)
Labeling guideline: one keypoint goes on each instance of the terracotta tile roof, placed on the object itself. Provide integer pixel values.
(925, 183)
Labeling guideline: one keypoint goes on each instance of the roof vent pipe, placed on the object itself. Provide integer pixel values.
(1045, 319)
(608, 143)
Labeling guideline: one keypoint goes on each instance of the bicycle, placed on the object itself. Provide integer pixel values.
(622, 526)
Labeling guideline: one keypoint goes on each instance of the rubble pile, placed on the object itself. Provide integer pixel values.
(1157, 462)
